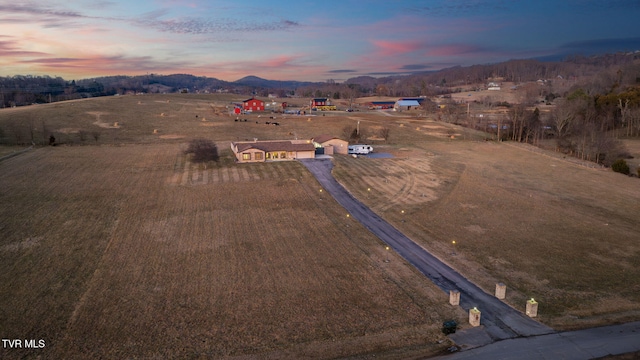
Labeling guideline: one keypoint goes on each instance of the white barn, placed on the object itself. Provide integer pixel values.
(406, 105)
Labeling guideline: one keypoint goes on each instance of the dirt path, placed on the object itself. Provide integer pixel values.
(500, 321)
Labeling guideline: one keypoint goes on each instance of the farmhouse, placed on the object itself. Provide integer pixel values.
(253, 104)
(329, 145)
(272, 150)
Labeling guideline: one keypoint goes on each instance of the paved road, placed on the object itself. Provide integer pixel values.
(570, 345)
(499, 320)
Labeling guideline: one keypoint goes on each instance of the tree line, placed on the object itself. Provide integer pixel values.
(587, 120)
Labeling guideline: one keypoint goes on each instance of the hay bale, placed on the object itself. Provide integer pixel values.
(155, 131)
(115, 124)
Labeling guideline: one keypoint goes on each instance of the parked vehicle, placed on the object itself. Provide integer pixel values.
(360, 149)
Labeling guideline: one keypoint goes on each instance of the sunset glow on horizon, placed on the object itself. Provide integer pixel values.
(305, 41)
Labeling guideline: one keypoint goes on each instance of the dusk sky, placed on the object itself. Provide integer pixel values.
(300, 40)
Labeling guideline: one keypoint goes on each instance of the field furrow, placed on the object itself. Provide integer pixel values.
(213, 270)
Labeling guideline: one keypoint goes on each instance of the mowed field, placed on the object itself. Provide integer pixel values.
(564, 234)
(120, 247)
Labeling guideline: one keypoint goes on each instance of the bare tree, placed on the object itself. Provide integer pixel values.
(384, 133)
(562, 118)
(517, 114)
(203, 150)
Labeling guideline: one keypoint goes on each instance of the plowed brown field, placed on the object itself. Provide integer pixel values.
(133, 251)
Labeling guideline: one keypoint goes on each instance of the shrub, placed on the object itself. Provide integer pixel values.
(620, 166)
(203, 150)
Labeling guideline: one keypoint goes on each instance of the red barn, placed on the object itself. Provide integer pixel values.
(318, 102)
(253, 104)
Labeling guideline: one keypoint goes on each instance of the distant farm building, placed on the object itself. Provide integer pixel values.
(381, 105)
(493, 86)
(420, 100)
(329, 145)
(274, 150)
(253, 104)
(321, 104)
(401, 105)
(318, 102)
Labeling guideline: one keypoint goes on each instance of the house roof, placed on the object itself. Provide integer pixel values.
(276, 145)
(418, 99)
(323, 138)
(407, 103)
(320, 99)
(244, 101)
(383, 102)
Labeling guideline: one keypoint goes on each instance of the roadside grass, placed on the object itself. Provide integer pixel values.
(560, 233)
(103, 254)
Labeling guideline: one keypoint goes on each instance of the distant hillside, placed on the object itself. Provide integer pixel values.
(258, 82)
(619, 68)
(157, 83)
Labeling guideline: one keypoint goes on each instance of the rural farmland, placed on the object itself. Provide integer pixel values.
(114, 244)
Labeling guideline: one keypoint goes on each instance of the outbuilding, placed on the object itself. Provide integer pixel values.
(318, 102)
(382, 105)
(253, 104)
(406, 105)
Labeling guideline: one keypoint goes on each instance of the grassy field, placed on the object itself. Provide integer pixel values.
(118, 246)
(561, 233)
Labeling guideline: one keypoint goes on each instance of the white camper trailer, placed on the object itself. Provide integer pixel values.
(360, 149)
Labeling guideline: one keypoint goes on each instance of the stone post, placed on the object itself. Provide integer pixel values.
(501, 291)
(532, 308)
(474, 317)
(454, 297)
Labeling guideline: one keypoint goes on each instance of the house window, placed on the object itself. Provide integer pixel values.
(246, 156)
(283, 155)
(258, 156)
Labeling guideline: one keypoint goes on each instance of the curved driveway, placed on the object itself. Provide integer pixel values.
(499, 320)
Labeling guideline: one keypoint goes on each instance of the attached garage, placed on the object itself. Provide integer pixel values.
(331, 144)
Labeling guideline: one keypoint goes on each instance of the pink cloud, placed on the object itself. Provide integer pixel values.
(454, 50)
(101, 65)
(385, 47)
(280, 67)
(11, 48)
(279, 61)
